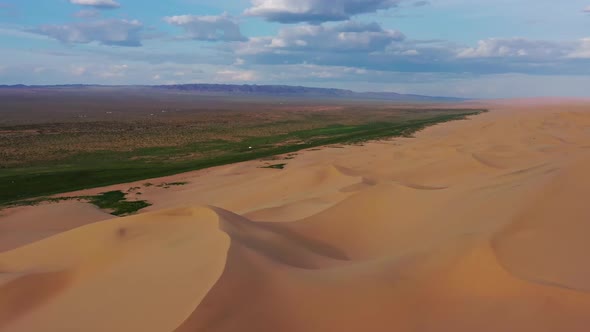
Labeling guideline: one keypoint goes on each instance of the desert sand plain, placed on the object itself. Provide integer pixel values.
(473, 225)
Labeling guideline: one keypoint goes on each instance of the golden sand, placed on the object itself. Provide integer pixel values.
(476, 225)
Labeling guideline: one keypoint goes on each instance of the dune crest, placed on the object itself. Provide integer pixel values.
(477, 225)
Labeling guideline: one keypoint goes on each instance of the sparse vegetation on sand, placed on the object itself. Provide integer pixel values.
(116, 202)
(60, 154)
(275, 166)
(167, 185)
(113, 201)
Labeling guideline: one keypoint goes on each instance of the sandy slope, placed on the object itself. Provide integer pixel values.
(25, 225)
(476, 225)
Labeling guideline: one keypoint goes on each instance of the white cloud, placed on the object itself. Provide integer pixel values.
(107, 32)
(114, 71)
(514, 47)
(292, 11)
(78, 70)
(208, 28)
(410, 52)
(87, 13)
(368, 46)
(582, 51)
(236, 75)
(103, 4)
(349, 36)
(586, 10)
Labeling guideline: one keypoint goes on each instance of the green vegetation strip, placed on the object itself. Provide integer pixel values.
(102, 168)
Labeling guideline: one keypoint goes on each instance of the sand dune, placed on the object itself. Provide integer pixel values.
(26, 225)
(477, 225)
(132, 270)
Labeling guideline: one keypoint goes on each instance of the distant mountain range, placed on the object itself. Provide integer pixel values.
(258, 90)
(299, 91)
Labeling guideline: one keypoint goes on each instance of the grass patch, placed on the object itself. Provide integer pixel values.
(167, 185)
(172, 184)
(40, 200)
(275, 166)
(116, 202)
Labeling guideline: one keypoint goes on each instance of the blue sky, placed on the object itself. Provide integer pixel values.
(483, 48)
